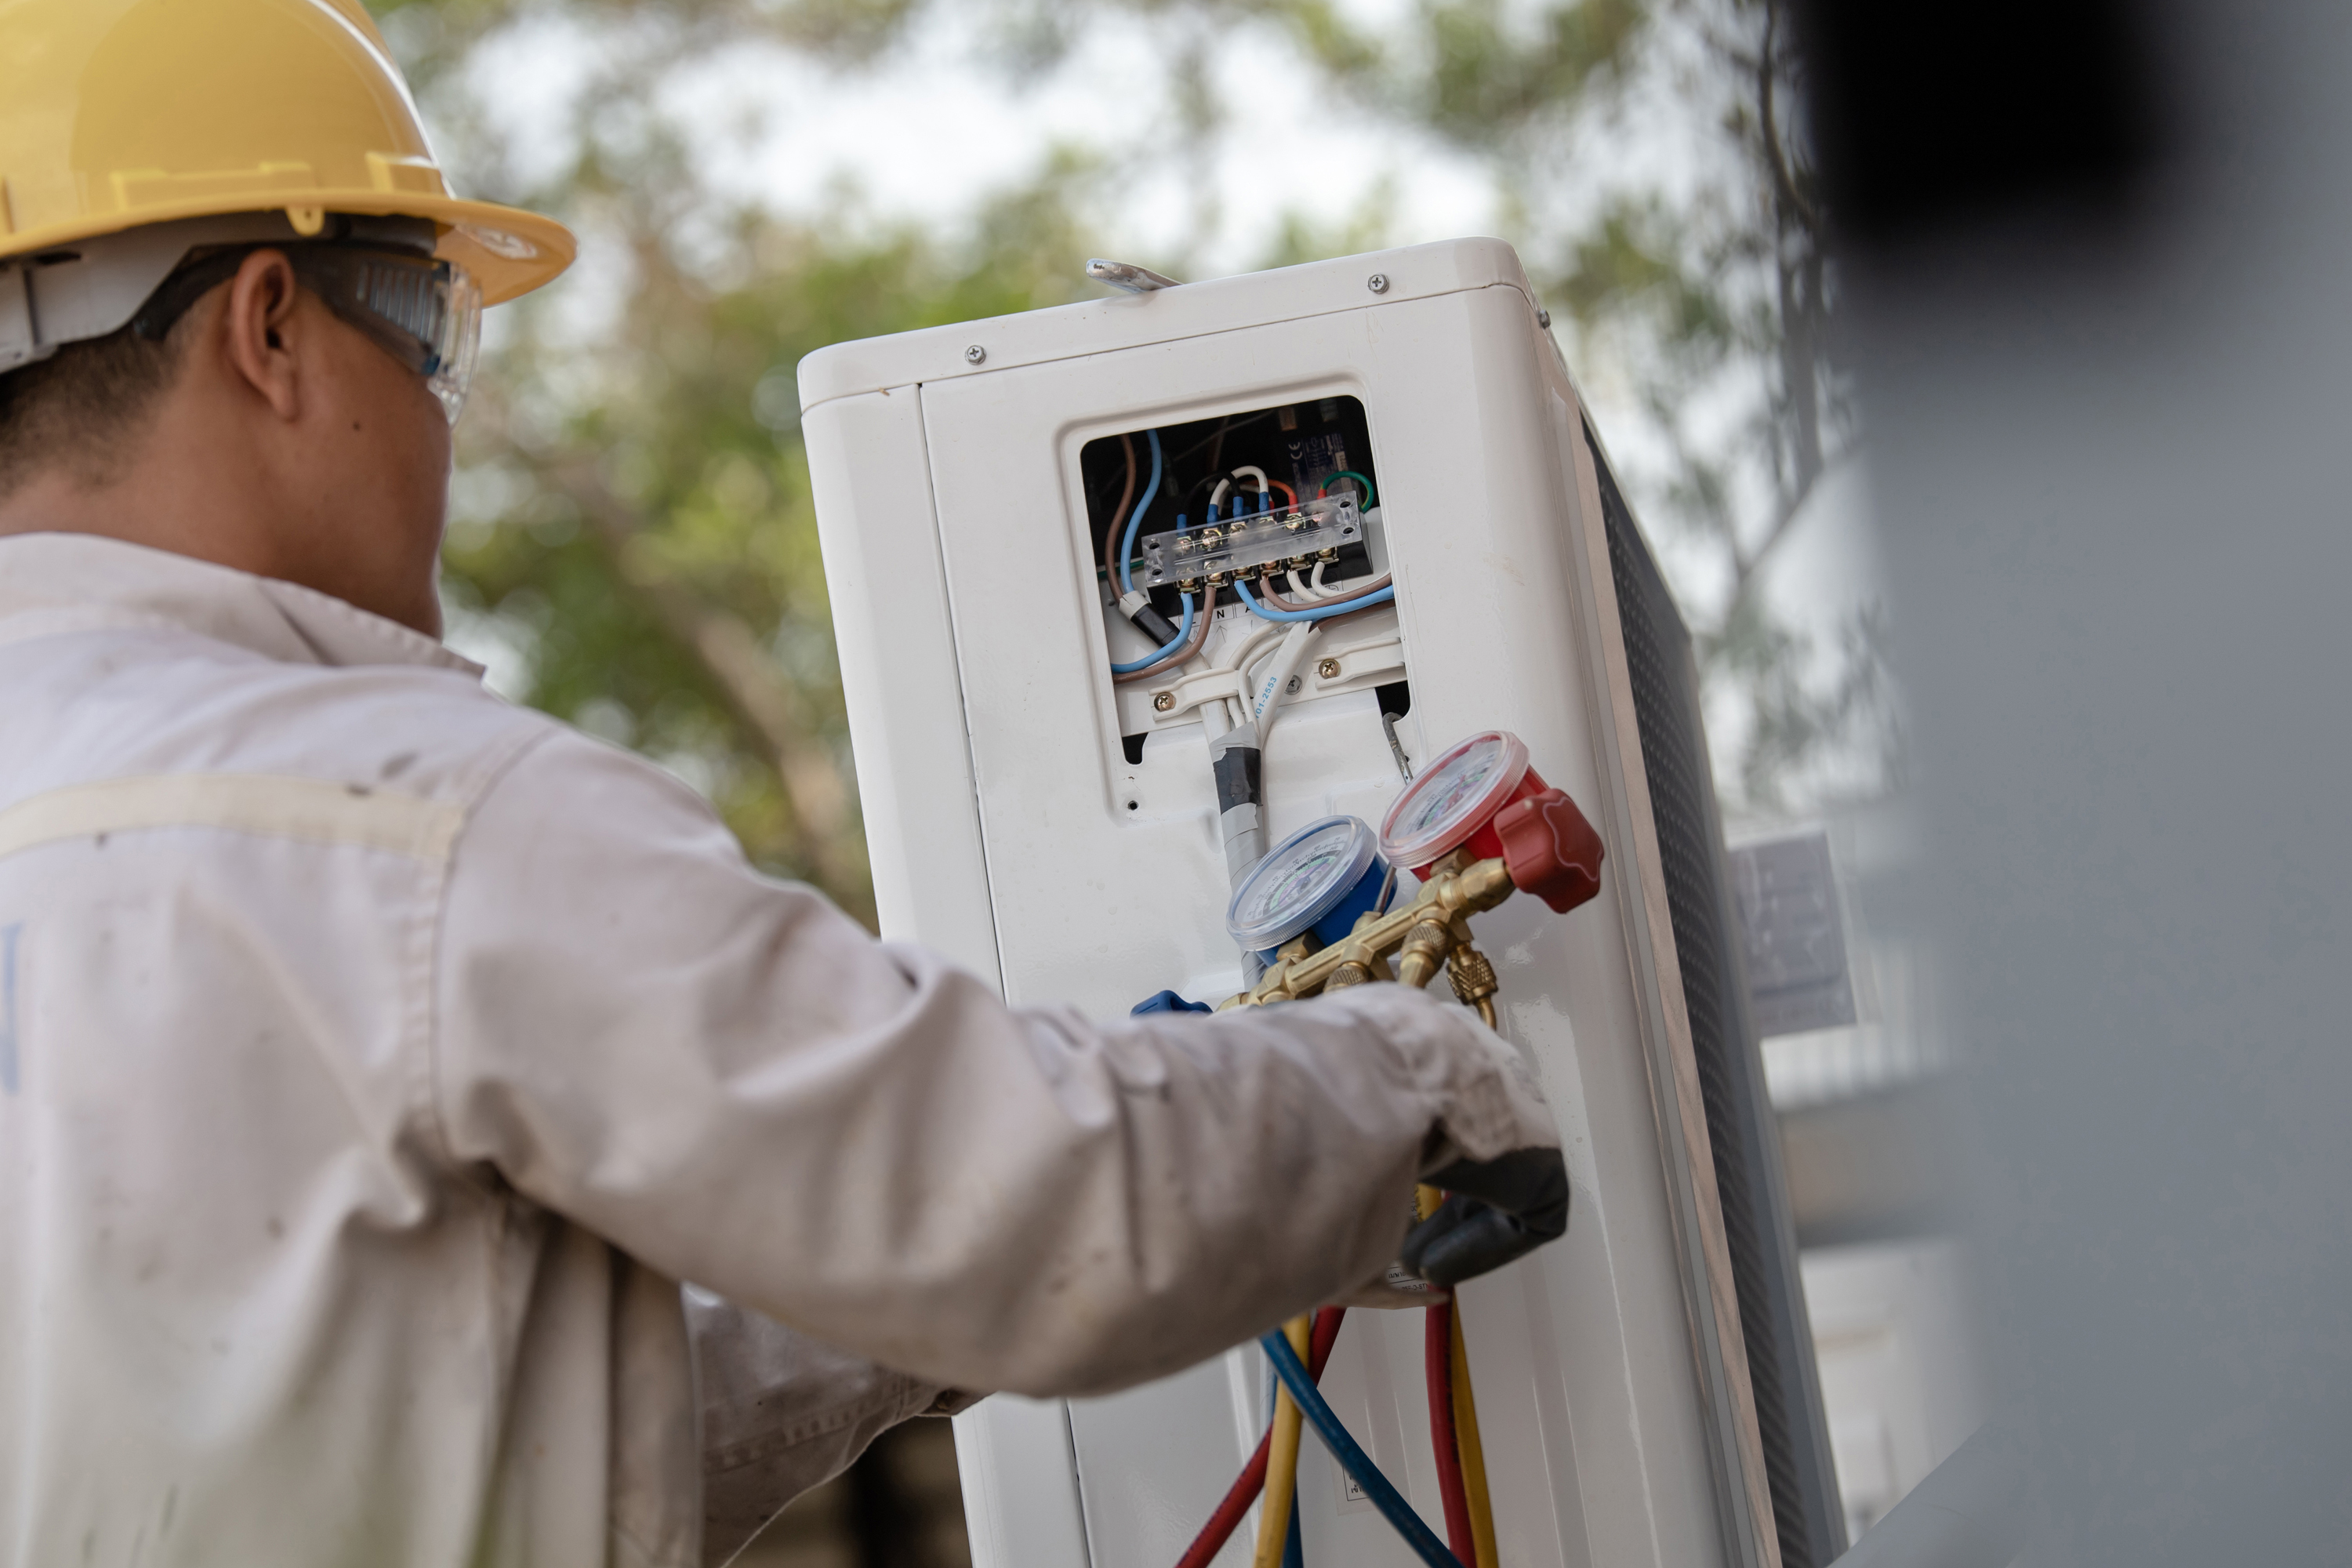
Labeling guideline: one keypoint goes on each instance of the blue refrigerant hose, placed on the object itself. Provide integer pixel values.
(1353, 1458)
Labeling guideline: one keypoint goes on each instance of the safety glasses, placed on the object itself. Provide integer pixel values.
(425, 312)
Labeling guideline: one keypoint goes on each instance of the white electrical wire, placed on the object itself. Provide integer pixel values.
(1251, 690)
(1243, 653)
(1307, 588)
(1247, 652)
(1277, 684)
(1247, 470)
(1245, 684)
(1214, 717)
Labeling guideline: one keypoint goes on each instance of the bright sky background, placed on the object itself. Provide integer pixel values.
(929, 130)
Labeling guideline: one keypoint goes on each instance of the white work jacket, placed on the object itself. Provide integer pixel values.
(376, 1056)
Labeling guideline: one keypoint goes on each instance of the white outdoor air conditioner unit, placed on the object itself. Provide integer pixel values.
(1644, 1387)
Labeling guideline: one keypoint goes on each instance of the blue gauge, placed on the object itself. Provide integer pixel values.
(1320, 879)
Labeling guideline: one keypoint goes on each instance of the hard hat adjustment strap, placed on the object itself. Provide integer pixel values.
(177, 294)
(91, 288)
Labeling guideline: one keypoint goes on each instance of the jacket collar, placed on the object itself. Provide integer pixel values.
(52, 582)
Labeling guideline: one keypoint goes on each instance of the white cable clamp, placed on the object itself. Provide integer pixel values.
(1132, 602)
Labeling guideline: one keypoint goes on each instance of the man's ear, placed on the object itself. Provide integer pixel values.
(261, 324)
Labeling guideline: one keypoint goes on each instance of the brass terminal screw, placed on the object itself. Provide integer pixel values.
(1161, 701)
(1328, 669)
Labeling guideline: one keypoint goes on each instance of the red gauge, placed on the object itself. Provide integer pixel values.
(1455, 800)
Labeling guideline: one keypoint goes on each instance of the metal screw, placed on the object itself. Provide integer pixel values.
(1328, 669)
(1162, 700)
(1378, 282)
(975, 355)
(1543, 318)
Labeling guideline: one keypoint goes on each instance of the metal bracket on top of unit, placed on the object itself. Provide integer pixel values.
(1286, 538)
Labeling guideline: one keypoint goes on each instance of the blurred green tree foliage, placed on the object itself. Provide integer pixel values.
(632, 511)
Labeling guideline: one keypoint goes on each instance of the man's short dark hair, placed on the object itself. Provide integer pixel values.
(84, 408)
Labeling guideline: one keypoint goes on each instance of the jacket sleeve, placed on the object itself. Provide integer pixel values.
(732, 1080)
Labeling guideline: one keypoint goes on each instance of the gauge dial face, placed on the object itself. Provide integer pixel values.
(1447, 803)
(1300, 881)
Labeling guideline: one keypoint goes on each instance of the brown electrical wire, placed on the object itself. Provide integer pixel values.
(1119, 517)
(1168, 665)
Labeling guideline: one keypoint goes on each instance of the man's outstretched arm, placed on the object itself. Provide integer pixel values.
(733, 1081)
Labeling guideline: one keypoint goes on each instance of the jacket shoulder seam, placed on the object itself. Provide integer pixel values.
(527, 739)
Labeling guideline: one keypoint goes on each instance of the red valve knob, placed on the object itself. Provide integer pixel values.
(1551, 851)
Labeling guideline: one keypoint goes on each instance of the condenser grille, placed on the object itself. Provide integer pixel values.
(1773, 1323)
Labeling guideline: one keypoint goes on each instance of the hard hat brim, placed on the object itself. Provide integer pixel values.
(508, 251)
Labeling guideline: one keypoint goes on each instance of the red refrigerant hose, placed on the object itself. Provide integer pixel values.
(1437, 1360)
(1252, 1480)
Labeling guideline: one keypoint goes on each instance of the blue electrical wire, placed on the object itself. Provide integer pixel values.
(1183, 633)
(1135, 520)
(1353, 1458)
(1321, 613)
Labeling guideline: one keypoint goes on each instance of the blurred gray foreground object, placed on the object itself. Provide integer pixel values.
(1966, 1514)
(2111, 452)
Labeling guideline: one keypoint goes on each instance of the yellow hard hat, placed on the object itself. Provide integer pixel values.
(116, 114)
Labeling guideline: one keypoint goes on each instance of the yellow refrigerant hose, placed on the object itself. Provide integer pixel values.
(1282, 1461)
(1474, 1453)
(1465, 1404)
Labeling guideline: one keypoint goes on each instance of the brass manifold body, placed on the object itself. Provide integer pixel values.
(1429, 933)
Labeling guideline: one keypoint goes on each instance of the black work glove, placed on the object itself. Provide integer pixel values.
(1494, 1211)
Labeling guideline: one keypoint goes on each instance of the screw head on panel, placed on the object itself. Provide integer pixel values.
(1378, 282)
(1162, 700)
(975, 355)
(1543, 319)
(1328, 669)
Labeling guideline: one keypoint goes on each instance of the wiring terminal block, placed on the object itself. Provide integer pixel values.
(1285, 539)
